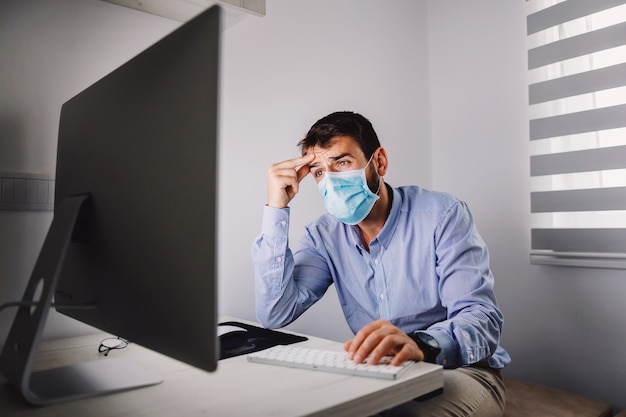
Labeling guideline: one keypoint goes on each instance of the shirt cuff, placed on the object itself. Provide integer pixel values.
(275, 221)
(449, 355)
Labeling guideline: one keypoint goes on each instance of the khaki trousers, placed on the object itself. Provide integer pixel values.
(469, 391)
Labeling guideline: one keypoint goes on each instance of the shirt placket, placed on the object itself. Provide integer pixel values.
(380, 281)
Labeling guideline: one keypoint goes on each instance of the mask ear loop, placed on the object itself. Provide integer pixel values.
(379, 187)
(379, 177)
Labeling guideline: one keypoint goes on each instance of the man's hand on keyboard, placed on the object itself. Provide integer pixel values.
(381, 338)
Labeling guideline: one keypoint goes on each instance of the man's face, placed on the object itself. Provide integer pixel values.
(342, 154)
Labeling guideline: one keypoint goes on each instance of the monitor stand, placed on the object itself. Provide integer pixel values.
(66, 383)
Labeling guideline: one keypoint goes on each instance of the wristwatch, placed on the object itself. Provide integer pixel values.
(427, 344)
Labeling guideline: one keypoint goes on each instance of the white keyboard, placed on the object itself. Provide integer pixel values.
(326, 360)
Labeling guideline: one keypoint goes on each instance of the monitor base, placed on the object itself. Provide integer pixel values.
(88, 379)
(69, 382)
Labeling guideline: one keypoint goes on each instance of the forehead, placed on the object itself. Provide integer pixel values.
(338, 145)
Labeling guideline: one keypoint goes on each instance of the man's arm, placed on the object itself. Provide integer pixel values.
(278, 298)
(283, 291)
(472, 331)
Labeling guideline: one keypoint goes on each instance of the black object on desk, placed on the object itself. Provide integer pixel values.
(254, 339)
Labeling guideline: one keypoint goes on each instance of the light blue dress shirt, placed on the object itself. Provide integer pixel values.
(428, 269)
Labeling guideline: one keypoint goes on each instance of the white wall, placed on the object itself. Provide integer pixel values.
(563, 326)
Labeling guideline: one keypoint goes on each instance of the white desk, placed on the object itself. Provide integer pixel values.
(238, 388)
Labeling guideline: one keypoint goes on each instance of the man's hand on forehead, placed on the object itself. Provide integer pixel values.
(284, 179)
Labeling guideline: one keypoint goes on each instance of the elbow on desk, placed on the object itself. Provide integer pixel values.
(272, 320)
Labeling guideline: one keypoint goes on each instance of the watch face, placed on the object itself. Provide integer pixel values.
(428, 339)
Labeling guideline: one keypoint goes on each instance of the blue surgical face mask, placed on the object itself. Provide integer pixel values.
(347, 196)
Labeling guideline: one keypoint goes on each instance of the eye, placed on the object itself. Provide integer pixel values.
(342, 165)
(319, 173)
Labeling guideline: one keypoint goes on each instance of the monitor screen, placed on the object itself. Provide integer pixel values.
(139, 149)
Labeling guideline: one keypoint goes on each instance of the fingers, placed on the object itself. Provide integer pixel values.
(355, 347)
(284, 180)
(369, 343)
(302, 172)
(295, 162)
(381, 338)
(409, 351)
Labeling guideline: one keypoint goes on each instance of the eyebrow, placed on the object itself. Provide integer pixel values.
(338, 157)
(331, 158)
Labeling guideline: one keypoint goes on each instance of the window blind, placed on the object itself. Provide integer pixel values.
(577, 106)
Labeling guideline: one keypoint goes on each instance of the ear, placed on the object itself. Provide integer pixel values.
(382, 163)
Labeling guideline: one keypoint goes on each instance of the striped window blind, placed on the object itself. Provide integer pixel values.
(577, 98)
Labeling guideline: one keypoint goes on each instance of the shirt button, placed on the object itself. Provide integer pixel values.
(279, 259)
(377, 261)
(382, 297)
(283, 223)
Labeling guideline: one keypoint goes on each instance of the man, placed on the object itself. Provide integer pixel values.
(411, 271)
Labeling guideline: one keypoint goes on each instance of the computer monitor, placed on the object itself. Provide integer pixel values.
(132, 246)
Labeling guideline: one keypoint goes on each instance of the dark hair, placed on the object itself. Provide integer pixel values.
(342, 123)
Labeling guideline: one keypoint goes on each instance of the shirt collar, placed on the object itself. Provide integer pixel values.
(387, 232)
(389, 228)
